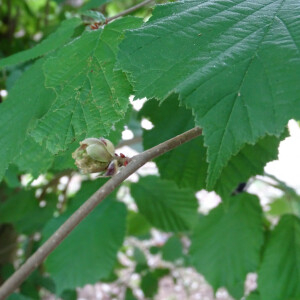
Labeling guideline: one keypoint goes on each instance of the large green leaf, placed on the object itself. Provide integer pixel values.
(164, 205)
(235, 63)
(52, 42)
(279, 275)
(88, 254)
(34, 158)
(19, 112)
(91, 96)
(187, 165)
(226, 243)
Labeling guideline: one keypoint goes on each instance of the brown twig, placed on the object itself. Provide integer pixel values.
(121, 14)
(129, 10)
(63, 231)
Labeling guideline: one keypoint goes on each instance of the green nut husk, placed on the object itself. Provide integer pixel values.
(94, 155)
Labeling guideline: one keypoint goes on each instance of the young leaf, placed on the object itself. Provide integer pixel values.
(279, 275)
(52, 42)
(226, 243)
(91, 96)
(235, 63)
(164, 205)
(89, 253)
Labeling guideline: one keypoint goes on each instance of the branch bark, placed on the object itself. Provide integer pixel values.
(136, 162)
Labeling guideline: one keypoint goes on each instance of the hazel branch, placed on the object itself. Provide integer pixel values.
(63, 231)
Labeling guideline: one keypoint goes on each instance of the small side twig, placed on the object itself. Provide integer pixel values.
(63, 231)
(129, 10)
(121, 14)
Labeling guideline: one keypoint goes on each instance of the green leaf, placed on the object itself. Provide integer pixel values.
(226, 243)
(154, 250)
(64, 160)
(16, 296)
(172, 249)
(88, 188)
(33, 158)
(235, 63)
(140, 259)
(11, 177)
(289, 203)
(29, 288)
(164, 205)
(137, 225)
(187, 165)
(69, 295)
(250, 161)
(129, 295)
(149, 284)
(24, 212)
(52, 42)
(280, 206)
(279, 274)
(20, 111)
(91, 96)
(88, 254)
(93, 4)
(95, 15)
(139, 256)
(254, 296)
